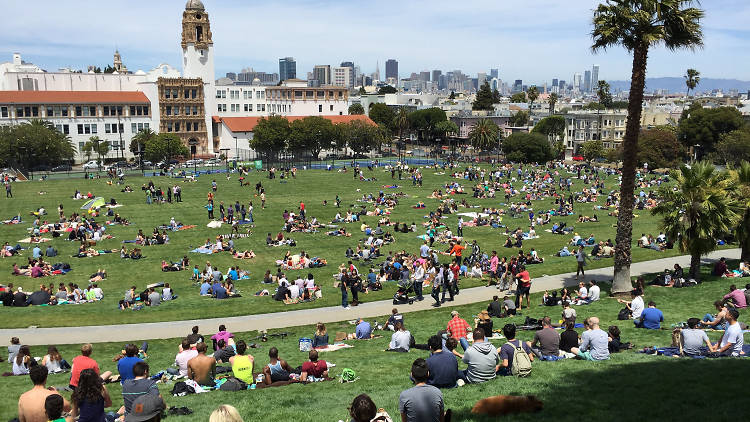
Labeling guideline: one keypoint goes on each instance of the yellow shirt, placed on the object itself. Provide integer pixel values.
(242, 367)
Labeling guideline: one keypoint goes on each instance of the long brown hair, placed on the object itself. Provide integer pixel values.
(54, 354)
(321, 329)
(89, 388)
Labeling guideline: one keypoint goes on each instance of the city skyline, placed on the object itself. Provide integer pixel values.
(249, 37)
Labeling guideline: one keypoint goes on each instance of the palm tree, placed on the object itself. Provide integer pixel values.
(552, 101)
(533, 94)
(484, 135)
(639, 25)
(402, 123)
(692, 79)
(701, 208)
(741, 179)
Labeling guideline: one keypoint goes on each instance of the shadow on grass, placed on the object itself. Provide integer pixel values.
(663, 389)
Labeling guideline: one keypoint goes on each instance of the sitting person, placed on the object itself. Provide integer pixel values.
(442, 364)
(614, 344)
(569, 339)
(732, 341)
(393, 319)
(202, 368)
(277, 370)
(225, 351)
(594, 342)
(242, 364)
(651, 318)
(546, 341)
(718, 322)
(735, 298)
(693, 338)
(363, 330)
(720, 268)
(314, 369)
(507, 350)
(401, 338)
(482, 360)
(321, 336)
(140, 385)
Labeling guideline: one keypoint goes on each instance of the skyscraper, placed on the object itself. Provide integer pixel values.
(587, 81)
(287, 68)
(436, 74)
(577, 82)
(391, 69)
(424, 75)
(594, 77)
(494, 73)
(517, 86)
(322, 73)
(352, 74)
(554, 82)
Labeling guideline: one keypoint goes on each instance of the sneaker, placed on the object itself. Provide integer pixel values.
(348, 307)
(460, 382)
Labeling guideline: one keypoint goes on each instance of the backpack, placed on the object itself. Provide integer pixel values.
(624, 314)
(181, 389)
(348, 375)
(521, 366)
(233, 384)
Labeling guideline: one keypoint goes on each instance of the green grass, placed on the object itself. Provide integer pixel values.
(311, 186)
(629, 383)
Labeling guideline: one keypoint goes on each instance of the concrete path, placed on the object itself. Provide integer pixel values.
(171, 329)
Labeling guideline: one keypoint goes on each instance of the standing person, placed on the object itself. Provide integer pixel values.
(457, 251)
(524, 287)
(494, 262)
(437, 282)
(581, 259)
(250, 212)
(90, 398)
(418, 279)
(421, 403)
(31, 403)
(302, 209)
(447, 283)
(460, 229)
(8, 191)
(344, 294)
(263, 198)
(210, 208)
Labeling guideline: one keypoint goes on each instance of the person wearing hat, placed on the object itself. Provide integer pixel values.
(458, 328)
(483, 321)
(146, 408)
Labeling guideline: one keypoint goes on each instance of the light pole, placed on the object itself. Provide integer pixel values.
(226, 157)
(236, 150)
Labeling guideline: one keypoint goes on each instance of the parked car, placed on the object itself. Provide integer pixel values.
(91, 165)
(147, 163)
(41, 167)
(62, 167)
(214, 161)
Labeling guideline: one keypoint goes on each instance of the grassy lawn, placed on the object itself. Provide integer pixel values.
(629, 383)
(311, 186)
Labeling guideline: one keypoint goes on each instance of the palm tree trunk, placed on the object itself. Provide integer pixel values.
(624, 235)
(695, 266)
(745, 239)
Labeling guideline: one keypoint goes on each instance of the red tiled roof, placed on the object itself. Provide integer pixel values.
(247, 124)
(73, 97)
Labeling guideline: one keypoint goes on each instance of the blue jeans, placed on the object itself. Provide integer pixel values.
(464, 343)
(344, 299)
(418, 290)
(711, 318)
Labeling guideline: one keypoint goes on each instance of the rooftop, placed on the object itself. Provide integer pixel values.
(247, 124)
(73, 97)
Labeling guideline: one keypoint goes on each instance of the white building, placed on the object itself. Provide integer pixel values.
(607, 126)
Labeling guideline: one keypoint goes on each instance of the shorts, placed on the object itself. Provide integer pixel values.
(524, 291)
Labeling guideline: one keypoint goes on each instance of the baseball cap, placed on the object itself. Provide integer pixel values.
(145, 408)
(454, 313)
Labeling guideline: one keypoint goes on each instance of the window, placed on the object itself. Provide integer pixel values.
(186, 93)
(112, 128)
(320, 108)
(297, 94)
(3, 111)
(261, 107)
(55, 111)
(169, 127)
(221, 93)
(331, 107)
(248, 107)
(28, 111)
(194, 93)
(222, 107)
(176, 127)
(80, 146)
(174, 93)
(168, 110)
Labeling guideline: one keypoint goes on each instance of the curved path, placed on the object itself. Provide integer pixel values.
(172, 329)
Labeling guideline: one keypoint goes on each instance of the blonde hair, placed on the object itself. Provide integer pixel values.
(225, 413)
(321, 329)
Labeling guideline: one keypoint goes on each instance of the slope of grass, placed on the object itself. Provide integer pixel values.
(629, 383)
(312, 187)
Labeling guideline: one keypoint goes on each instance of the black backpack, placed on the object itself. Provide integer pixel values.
(233, 384)
(182, 389)
(624, 314)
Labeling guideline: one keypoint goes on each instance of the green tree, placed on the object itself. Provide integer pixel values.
(362, 136)
(553, 127)
(734, 147)
(34, 143)
(704, 126)
(484, 135)
(701, 209)
(496, 97)
(593, 149)
(444, 128)
(639, 25)
(484, 98)
(553, 99)
(271, 135)
(741, 179)
(141, 139)
(605, 97)
(401, 122)
(99, 147)
(425, 120)
(362, 91)
(521, 118)
(518, 97)
(164, 147)
(692, 79)
(532, 94)
(387, 89)
(312, 134)
(381, 114)
(527, 148)
(659, 148)
(356, 108)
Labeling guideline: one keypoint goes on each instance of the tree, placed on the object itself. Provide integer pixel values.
(496, 97)
(362, 136)
(533, 94)
(381, 114)
(356, 108)
(605, 97)
(518, 97)
(692, 79)
(425, 120)
(387, 89)
(704, 126)
(659, 148)
(521, 118)
(271, 135)
(35, 143)
(452, 96)
(741, 179)
(553, 98)
(312, 134)
(527, 148)
(401, 122)
(484, 135)
(141, 139)
(362, 91)
(553, 127)
(484, 98)
(734, 147)
(639, 25)
(164, 147)
(698, 211)
(444, 128)
(98, 147)
(593, 149)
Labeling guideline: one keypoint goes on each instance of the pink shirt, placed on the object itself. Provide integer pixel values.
(493, 263)
(182, 359)
(738, 297)
(222, 335)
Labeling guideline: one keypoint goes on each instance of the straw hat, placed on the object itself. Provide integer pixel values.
(483, 315)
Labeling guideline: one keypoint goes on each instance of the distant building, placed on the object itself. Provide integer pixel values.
(607, 126)
(287, 68)
(342, 76)
(391, 69)
(587, 81)
(494, 73)
(322, 73)
(594, 77)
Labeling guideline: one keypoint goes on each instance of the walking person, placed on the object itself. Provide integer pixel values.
(344, 293)
(8, 191)
(418, 279)
(581, 259)
(447, 283)
(437, 282)
(210, 208)
(460, 230)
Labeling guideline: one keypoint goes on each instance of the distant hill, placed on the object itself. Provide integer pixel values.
(676, 85)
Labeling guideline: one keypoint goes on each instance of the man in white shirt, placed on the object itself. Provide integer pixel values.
(594, 291)
(636, 305)
(732, 340)
(424, 250)
(643, 241)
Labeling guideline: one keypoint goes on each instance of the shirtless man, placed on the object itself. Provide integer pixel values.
(31, 403)
(202, 368)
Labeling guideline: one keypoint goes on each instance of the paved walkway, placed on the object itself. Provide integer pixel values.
(171, 329)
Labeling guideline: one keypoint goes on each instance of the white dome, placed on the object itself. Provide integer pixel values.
(195, 5)
(256, 81)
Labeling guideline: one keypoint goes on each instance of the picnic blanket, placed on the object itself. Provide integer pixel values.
(214, 224)
(675, 351)
(206, 251)
(114, 206)
(28, 240)
(334, 347)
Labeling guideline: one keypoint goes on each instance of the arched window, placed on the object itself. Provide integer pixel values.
(199, 33)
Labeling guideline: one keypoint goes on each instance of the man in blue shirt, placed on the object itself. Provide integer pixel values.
(205, 288)
(651, 318)
(442, 364)
(37, 251)
(219, 291)
(233, 275)
(125, 365)
(363, 330)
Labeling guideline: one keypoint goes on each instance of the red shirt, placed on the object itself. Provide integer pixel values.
(525, 278)
(457, 249)
(315, 369)
(79, 364)
(458, 327)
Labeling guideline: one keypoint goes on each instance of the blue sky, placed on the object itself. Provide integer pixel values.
(534, 40)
